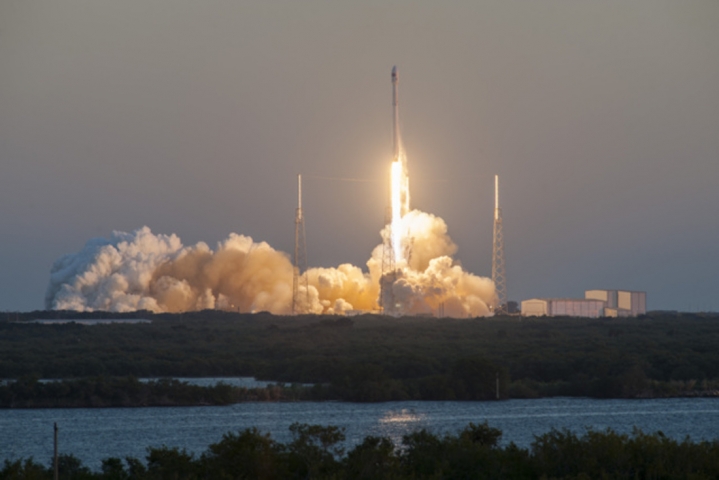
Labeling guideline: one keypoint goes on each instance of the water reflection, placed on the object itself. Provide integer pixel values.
(94, 434)
(395, 424)
(401, 416)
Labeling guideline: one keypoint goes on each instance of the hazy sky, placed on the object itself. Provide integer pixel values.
(194, 118)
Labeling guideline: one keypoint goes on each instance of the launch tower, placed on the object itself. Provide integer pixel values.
(386, 297)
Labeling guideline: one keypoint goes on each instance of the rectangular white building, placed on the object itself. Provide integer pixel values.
(596, 303)
(571, 307)
(620, 303)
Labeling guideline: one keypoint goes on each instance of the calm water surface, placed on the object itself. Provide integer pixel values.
(94, 434)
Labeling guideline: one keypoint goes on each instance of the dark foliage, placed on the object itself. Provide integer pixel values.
(28, 392)
(474, 453)
(376, 358)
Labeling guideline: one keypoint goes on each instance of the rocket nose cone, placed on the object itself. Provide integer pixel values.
(394, 73)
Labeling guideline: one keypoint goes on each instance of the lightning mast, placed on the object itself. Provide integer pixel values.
(499, 276)
(300, 302)
(386, 297)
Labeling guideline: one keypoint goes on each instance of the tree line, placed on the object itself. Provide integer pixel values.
(317, 452)
(103, 392)
(376, 358)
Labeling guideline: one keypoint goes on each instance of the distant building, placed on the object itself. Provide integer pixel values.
(620, 303)
(596, 303)
(572, 307)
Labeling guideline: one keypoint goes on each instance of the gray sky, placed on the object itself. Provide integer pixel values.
(601, 118)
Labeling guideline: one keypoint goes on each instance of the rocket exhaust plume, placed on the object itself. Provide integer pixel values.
(146, 271)
(142, 270)
(399, 175)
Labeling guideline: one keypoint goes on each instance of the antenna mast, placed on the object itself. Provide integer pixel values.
(386, 297)
(300, 302)
(499, 276)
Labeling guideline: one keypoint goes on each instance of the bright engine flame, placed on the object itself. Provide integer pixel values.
(399, 188)
(396, 189)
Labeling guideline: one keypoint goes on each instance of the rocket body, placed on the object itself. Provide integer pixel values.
(496, 197)
(395, 113)
(400, 176)
(399, 179)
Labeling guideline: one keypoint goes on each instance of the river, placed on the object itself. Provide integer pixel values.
(94, 434)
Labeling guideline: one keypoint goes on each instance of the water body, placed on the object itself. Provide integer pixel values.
(94, 434)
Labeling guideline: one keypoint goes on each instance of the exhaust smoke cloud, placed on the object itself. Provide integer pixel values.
(142, 270)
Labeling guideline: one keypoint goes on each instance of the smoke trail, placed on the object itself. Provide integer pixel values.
(146, 271)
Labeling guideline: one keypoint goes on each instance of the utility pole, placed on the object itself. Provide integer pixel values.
(499, 276)
(300, 302)
(54, 457)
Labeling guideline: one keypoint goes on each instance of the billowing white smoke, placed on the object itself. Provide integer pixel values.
(142, 270)
(427, 278)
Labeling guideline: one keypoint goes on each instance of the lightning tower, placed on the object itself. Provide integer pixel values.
(499, 276)
(300, 301)
(386, 298)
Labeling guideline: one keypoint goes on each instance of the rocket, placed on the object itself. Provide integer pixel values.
(400, 179)
(395, 112)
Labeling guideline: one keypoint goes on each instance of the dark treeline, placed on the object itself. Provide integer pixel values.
(376, 358)
(28, 392)
(316, 452)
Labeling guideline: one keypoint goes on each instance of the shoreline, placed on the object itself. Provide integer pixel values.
(279, 394)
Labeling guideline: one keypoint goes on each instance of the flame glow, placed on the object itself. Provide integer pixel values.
(395, 185)
(399, 194)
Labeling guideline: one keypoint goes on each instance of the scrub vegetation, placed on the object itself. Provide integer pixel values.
(317, 452)
(365, 358)
(104, 392)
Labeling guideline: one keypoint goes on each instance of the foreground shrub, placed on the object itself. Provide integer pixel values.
(316, 452)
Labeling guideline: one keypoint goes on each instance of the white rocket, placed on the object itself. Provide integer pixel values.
(400, 158)
(395, 112)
